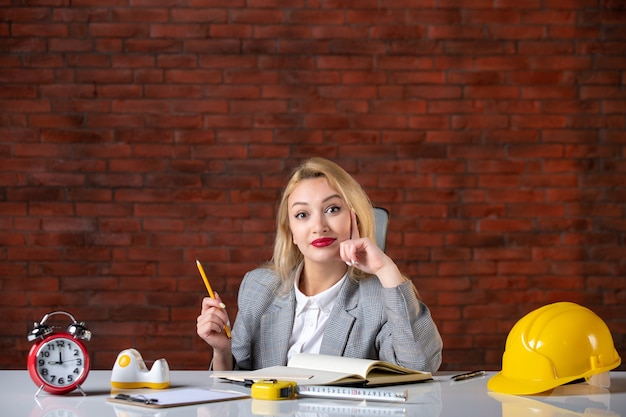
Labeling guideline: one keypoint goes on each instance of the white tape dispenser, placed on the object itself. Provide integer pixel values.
(130, 372)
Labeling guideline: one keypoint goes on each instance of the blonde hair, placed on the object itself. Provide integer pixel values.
(287, 256)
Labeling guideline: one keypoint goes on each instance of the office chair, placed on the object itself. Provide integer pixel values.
(381, 219)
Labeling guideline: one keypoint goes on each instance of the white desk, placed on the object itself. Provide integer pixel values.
(440, 398)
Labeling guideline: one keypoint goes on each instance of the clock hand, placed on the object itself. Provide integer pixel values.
(59, 362)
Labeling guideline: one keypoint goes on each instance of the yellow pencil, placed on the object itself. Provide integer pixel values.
(210, 290)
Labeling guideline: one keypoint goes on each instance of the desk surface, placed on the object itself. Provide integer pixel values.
(438, 398)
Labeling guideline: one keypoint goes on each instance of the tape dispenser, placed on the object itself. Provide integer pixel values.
(130, 372)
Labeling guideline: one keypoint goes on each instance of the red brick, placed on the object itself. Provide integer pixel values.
(502, 254)
(13, 209)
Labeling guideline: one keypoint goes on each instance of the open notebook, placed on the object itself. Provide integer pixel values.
(312, 369)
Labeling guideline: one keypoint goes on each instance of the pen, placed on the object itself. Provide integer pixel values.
(468, 375)
(137, 399)
(210, 290)
(244, 383)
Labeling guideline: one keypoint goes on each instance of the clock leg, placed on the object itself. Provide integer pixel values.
(78, 387)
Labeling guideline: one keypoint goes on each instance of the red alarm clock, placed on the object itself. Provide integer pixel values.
(58, 362)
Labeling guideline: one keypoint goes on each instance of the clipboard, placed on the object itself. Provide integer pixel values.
(176, 398)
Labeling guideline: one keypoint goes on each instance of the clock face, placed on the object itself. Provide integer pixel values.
(59, 363)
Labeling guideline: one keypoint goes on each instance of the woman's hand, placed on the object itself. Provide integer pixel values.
(365, 255)
(210, 324)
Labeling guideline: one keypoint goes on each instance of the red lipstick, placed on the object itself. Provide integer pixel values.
(323, 242)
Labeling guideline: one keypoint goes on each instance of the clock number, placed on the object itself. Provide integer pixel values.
(76, 352)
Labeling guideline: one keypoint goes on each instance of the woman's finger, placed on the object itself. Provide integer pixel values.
(354, 226)
(208, 302)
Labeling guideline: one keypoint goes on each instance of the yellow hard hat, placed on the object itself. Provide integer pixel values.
(553, 345)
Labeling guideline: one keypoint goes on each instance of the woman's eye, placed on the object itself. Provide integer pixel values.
(333, 209)
(300, 215)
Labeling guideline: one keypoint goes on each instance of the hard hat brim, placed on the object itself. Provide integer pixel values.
(504, 385)
(500, 383)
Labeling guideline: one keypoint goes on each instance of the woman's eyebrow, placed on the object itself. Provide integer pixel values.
(302, 203)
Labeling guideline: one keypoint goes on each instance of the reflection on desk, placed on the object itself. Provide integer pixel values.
(438, 398)
(566, 401)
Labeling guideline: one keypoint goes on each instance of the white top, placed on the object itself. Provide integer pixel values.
(311, 316)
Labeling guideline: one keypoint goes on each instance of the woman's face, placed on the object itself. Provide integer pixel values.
(319, 220)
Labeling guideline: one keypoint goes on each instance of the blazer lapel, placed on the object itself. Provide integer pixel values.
(340, 321)
(276, 327)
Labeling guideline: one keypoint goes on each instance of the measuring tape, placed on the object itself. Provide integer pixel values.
(286, 390)
(272, 389)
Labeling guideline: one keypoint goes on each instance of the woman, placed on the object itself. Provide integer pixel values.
(328, 288)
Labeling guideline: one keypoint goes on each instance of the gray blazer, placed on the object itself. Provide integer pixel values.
(367, 321)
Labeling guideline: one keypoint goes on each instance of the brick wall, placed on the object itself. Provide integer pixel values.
(138, 136)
